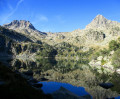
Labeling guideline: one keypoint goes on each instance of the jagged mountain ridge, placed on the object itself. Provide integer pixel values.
(98, 33)
(101, 22)
(19, 24)
(15, 36)
(10, 42)
(26, 28)
(14, 44)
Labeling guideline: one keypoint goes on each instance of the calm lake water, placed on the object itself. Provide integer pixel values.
(50, 87)
(68, 73)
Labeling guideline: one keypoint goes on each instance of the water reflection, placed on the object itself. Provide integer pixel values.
(77, 73)
(50, 87)
(62, 66)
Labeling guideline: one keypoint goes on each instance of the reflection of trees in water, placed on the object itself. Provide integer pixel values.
(69, 71)
(84, 78)
(18, 64)
(42, 64)
(114, 78)
(65, 66)
(62, 66)
(45, 64)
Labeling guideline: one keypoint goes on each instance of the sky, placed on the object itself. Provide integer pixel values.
(58, 15)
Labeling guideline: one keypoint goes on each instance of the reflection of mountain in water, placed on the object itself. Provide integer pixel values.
(42, 65)
(67, 71)
(63, 66)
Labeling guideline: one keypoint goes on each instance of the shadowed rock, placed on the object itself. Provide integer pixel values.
(106, 85)
(43, 79)
(2, 82)
(37, 85)
(110, 98)
(63, 93)
(32, 81)
(28, 73)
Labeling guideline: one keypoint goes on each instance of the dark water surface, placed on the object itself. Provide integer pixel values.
(50, 87)
(68, 73)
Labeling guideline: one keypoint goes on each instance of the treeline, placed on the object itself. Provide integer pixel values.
(71, 51)
(25, 45)
(46, 50)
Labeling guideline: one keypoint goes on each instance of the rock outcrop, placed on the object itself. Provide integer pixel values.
(26, 28)
(13, 43)
(98, 33)
(19, 24)
(101, 22)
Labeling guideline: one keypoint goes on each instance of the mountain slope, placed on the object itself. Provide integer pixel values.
(14, 44)
(26, 28)
(10, 41)
(102, 23)
(98, 33)
(15, 36)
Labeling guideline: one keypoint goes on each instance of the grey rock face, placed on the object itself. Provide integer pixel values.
(13, 43)
(101, 22)
(93, 35)
(26, 28)
(19, 24)
(98, 33)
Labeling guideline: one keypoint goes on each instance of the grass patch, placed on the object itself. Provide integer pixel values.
(103, 62)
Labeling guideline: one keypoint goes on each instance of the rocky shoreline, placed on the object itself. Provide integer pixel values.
(108, 67)
(89, 82)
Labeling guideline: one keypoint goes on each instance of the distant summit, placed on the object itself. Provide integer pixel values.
(19, 24)
(25, 27)
(98, 33)
(102, 23)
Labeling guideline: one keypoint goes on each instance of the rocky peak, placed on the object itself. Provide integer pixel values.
(101, 22)
(25, 27)
(19, 24)
(99, 18)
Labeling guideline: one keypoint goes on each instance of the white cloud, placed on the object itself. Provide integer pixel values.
(12, 12)
(43, 18)
(10, 7)
(19, 2)
(39, 18)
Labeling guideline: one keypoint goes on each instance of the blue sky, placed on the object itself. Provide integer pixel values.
(58, 15)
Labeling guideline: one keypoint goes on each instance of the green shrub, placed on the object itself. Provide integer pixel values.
(95, 56)
(104, 52)
(116, 59)
(113, 45)
(103, 62)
